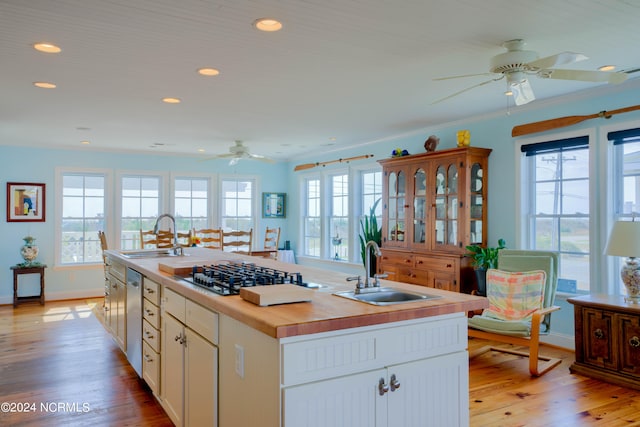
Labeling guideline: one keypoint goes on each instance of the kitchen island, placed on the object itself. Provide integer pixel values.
(329, 361)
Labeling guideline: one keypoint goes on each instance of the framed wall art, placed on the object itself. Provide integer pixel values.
(25, 202)
(274, 205)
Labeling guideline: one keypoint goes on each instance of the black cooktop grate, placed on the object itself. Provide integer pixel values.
(228, 278)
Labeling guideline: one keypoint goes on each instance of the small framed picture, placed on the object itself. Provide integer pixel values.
(25, 202)
(274, 205)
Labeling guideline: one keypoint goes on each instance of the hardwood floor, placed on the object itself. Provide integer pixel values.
(58, 366)
(503, 394)
(60, 362)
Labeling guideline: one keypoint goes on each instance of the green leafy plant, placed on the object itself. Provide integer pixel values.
(485, 258)
(369, 230)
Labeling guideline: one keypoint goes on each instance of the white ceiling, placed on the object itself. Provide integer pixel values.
(355, 70)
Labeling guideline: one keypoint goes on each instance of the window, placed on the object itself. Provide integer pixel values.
(626, 183)
(371, 192)
(83, 215)
(237, 204)
(141, 205)
(191, 201)
(339, 219)
(312, 219)
(556, 195)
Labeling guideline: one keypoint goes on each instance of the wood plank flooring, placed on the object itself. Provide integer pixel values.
(61, 357)
(58, 366)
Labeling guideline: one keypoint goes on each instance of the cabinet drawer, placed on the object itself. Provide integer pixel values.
(151, 368)
(396, 258)
(203, 321)
(313, 359)
(151, 335)
(629, 344)
(174, 304)
(117, 270)
(151, 313)
(151, 290)
(449, 265)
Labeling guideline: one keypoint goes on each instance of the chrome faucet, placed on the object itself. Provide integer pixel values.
(368, 286)
(177, 249)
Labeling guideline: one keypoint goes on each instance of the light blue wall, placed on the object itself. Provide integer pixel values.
(28, 164)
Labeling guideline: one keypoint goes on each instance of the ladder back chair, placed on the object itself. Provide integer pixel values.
(238, 239)
(209, 237)
(521, 296)
(271, 241)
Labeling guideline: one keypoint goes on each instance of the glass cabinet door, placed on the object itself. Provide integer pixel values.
(396, 220)
(419, 206)
(446, 205)
(476, 204)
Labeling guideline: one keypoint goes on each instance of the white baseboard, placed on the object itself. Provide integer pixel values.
(559, 340)
(63, 295)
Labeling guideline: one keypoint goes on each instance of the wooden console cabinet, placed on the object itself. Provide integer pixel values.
(607, 334)
(434, 205)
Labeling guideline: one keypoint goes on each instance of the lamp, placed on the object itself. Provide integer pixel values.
(624, 241)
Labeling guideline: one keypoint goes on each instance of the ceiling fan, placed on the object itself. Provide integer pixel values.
(516, 65)
(238, 152)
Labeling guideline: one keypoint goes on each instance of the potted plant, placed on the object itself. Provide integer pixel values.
(369, 230)
(483, 259)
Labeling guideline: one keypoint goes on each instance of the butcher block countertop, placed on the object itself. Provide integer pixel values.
(325, 312)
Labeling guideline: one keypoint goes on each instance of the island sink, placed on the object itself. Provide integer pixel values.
(149, 253)
(386, 296)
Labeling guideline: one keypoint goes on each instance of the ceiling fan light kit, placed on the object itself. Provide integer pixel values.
(238, 152)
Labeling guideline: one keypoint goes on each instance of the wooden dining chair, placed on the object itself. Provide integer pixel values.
(184, 239)
(209, 237)
(149, 239)
(234, 240)
(271, 241)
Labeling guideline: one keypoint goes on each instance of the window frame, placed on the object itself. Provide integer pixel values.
(255, 200)
(524, 197)
(108, 215)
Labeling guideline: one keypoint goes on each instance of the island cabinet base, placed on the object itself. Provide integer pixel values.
(607, 334)
(409, 373)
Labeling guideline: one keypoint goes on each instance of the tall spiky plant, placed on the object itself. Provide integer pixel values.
(369, 230)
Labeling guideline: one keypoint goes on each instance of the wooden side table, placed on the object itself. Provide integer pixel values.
(607, 334)
(34, 269)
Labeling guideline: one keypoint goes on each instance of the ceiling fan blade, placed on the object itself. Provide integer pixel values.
(464, 90)
(261, 158)
(522, 93)
(463, 76)
(234, 161)
(555, 60)
(584, 75)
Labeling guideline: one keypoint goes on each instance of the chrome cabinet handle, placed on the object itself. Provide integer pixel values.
(382, 387)
(598, 334)
(147, 358)
(149, 290)
(149, 312)
(634, 342)
(178, 338)
(148, 334)
(395, 384)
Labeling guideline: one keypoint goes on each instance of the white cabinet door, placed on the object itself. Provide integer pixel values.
(201, 372)
(172, 380)
(351, 401)
(431, 392)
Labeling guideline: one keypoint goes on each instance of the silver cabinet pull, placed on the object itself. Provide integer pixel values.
(598, 334)
(382, 387)
(149, 290)
(395, 384)
(634, 342)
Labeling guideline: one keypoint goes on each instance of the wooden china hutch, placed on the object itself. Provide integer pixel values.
(434, 204)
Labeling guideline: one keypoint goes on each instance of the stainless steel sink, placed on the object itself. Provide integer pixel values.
(387, 296)
(148, 253)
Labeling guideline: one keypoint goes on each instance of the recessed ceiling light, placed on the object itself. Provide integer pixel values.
(44, 85)
(85, 142)
(171, 100)
(208, 71)
(267, 24)
(508, 93)
(607, 68)
(47, 48)
(200, 150)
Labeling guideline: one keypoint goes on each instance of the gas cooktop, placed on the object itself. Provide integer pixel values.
(228, 278)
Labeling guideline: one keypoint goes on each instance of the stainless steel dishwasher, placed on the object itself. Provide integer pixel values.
(134, 320)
